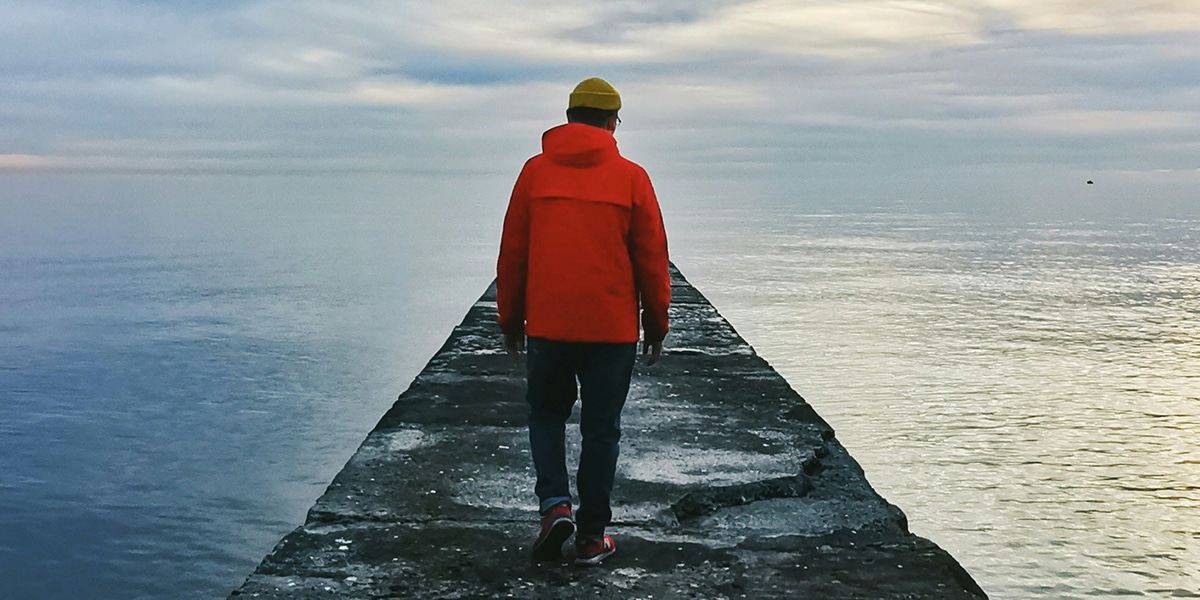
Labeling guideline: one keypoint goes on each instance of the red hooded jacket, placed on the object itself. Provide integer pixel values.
(583, 244)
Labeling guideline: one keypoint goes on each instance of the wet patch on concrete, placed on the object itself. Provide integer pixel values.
(730, 486)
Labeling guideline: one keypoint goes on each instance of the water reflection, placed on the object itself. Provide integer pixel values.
(1027, 394)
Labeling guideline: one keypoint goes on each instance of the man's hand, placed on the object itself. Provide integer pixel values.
(514, 343)
(652, 352)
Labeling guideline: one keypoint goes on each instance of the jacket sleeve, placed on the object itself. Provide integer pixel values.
(648, 252)
(512, 268)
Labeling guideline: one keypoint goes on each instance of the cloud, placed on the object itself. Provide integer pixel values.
(409, 93)
(1101, 121)
(850, 29)
(26, 162)
(824, 93)
(1100, 17)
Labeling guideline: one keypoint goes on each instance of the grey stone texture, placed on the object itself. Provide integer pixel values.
(729, 486)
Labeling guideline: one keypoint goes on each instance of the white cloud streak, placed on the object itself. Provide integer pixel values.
(870, 85)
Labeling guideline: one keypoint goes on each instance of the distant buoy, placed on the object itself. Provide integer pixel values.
(1089, 182)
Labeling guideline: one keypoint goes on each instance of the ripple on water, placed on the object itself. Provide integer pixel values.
(1025, 394)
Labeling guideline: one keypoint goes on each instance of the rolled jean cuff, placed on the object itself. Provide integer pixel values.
(549, 503)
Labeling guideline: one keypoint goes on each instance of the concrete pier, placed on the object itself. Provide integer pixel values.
(729, 486)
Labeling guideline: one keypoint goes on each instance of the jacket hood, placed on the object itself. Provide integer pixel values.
(578, 145)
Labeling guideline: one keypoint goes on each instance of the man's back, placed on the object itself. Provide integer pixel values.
(584, 236)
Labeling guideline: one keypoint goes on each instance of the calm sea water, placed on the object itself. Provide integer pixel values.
(1028, 393)
(180, 380)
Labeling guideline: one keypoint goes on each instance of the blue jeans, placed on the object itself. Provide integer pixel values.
(603, 372)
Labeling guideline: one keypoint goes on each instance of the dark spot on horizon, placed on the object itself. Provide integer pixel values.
(1090, 182)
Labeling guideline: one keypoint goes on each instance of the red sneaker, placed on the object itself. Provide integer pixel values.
(591, 553)
(557, 526)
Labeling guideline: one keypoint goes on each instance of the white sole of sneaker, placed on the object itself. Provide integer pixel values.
(594, 560)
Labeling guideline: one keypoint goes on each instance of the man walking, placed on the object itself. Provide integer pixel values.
(583, 252)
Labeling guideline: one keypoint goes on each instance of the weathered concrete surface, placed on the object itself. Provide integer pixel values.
(729, 486)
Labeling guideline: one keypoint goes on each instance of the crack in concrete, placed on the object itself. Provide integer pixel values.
(707, 501)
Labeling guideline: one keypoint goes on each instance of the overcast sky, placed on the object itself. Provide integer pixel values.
(837, 101)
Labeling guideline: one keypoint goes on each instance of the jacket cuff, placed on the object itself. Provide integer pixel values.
(654, 337)
(510, 328)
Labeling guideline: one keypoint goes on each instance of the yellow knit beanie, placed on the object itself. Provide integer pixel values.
(595, 93)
